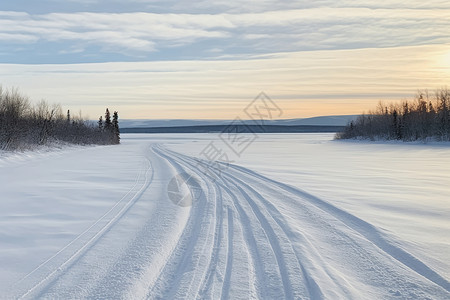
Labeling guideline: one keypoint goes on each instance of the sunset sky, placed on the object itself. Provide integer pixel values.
(209, 59)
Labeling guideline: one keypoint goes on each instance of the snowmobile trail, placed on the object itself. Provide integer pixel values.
(61, 261)
(284, 231)
(241, 236)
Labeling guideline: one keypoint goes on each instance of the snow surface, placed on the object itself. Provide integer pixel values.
(293, 216)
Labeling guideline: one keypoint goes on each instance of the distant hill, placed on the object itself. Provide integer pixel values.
(236, 129)
(340, 120)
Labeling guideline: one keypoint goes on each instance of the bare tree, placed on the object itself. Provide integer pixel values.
(411, 120)
(22, 126)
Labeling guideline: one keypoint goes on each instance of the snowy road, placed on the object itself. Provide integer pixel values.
(245, 236)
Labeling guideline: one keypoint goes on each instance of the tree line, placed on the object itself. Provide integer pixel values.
(425, 117)
(24, 126)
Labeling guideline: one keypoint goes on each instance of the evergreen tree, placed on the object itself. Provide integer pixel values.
(116, 130)
(107, 120)
(100, 123)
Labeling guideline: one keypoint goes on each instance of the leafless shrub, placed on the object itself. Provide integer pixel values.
(425, 117)
(23, 126)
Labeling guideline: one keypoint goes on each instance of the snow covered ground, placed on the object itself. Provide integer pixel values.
(294, 216)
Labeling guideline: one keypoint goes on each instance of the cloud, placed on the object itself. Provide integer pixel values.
(138, 32)
(339, 81)
(18, 38)
(236, 6)
(206, 59)
(192, 32)
(241, 33)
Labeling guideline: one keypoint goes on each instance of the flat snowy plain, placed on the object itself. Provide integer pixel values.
(294, 216)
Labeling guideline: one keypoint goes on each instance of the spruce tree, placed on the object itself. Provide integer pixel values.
(116, 130)
(100, 123)
(107, 120)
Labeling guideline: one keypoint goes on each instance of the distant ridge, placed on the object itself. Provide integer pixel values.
(338, 120)
(236, 129)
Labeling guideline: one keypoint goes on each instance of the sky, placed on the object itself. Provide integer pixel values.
(151, 59)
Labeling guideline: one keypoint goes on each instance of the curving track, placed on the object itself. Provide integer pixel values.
(245, 237)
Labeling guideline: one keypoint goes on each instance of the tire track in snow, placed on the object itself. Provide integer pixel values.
(184, 269)
(270, 218)
(229, 262)
(129, 268)
(191, 164)
(257, 247)
(137, 267)
(240, 212)
(42, 284)
(259, 266)
(218, 232)
(268, 214)
(276, 241)
(138, 176)
(366, 229)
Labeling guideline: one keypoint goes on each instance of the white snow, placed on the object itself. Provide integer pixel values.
(294, 216)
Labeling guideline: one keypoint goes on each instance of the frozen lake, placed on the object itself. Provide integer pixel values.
(283, 216)
(403, 188)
